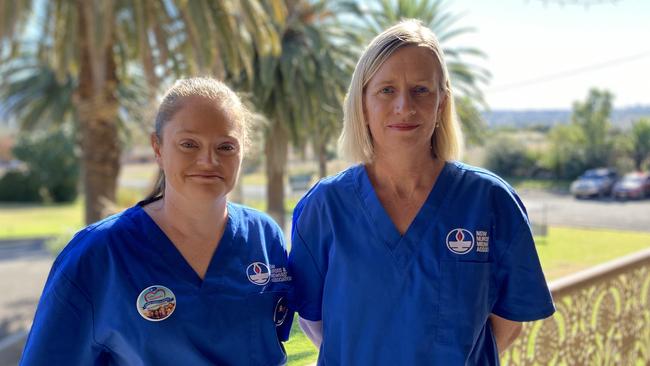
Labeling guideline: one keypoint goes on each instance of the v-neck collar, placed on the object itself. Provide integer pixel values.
(178, 265)
(403, 246)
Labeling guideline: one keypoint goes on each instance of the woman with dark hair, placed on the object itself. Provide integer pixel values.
(184, 277)
(411, 257)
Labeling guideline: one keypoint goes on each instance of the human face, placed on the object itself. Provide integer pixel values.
(200, 151)
(403, 101)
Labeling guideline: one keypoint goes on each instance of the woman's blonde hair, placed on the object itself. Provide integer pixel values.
(355, 142)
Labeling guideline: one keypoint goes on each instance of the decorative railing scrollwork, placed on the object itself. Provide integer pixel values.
(602, 318)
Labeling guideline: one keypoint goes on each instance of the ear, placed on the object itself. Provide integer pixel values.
(441, 103)
(155, 145)
(363, 106)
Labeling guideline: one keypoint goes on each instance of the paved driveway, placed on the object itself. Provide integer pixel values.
(24, 266)
(564, 210)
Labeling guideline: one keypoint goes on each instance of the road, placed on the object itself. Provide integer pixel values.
(24, 266)
(564, 210)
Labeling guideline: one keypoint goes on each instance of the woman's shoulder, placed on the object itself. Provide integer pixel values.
(476, 179)
(91, 243)
(251, 218)
(477, 175)
(337, 184)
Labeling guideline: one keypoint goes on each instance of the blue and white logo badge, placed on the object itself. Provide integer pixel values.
(258, 273)
(281, 311)
(460, 241)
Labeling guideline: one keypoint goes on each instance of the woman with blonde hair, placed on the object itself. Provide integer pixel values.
(411, 257)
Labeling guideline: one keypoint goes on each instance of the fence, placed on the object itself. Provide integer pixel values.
(602, 318)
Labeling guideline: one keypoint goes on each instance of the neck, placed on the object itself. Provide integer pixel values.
(404, 175)
(199, 219)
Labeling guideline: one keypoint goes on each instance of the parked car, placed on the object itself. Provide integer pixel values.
(594, 183)
(634, 185)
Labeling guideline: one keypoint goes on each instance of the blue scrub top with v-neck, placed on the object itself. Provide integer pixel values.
(90, 312)
(422, 298)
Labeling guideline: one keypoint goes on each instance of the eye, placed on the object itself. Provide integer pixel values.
(387, 90)
(421, 90)
(188, 144)
(227, 147)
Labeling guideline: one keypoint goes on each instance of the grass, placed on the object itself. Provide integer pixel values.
(29, 221)
(569, 250)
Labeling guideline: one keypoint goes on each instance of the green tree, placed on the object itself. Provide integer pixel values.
(300, 90)
(509, 156)
(566, 156)
(592, 117)
(466, 78)
(96, 42)
(640, 142)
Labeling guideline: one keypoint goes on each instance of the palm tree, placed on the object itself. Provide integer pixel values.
(378, 15)
(300, 91)
(95, 42)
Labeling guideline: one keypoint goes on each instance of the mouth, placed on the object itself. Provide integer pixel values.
(403, 126)
(207, 176)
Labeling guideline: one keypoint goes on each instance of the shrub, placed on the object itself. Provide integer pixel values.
(52, 161)
(18, 186)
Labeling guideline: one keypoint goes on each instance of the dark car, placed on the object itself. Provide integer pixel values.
(634, 185)
(594, 183)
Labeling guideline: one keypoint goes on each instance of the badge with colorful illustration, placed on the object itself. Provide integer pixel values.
(460, 241)
(258, 273)
(156, 303)
(281, 311)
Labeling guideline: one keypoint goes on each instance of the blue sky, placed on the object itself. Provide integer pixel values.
(546, 55)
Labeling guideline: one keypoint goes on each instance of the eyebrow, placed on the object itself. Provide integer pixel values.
(192, 132)
(391, 81)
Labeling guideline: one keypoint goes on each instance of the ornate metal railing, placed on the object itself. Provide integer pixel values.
(602, 318)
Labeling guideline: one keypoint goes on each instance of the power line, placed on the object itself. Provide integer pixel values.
(585, 3)
(568, 73)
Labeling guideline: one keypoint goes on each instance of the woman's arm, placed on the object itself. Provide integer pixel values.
(505, 331)
(313, 330)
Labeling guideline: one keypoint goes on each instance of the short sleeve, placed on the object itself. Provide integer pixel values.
(306, 297)
(62, 332)
(522, 291)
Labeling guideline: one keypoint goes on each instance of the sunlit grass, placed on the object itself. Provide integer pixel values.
(568, 250)
(29, 221)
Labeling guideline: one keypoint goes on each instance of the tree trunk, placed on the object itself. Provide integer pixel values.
(97, 108)
(322, 158)
(276, 143)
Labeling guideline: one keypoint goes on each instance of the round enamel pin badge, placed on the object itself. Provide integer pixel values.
(258, 273)
(460, 241)
(156, 303)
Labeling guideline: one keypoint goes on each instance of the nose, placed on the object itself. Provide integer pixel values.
(404, 103)
(208, 157)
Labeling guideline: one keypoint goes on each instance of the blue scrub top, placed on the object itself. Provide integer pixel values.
(99, 302)
(422, 298)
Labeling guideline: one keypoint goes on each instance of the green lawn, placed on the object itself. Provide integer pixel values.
(563, 251)
(568, 250)
(28, 221)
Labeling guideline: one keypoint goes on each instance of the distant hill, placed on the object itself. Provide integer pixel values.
(622, 117)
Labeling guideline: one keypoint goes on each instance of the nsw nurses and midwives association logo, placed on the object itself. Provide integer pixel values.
(258, 273)
(460, 241)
